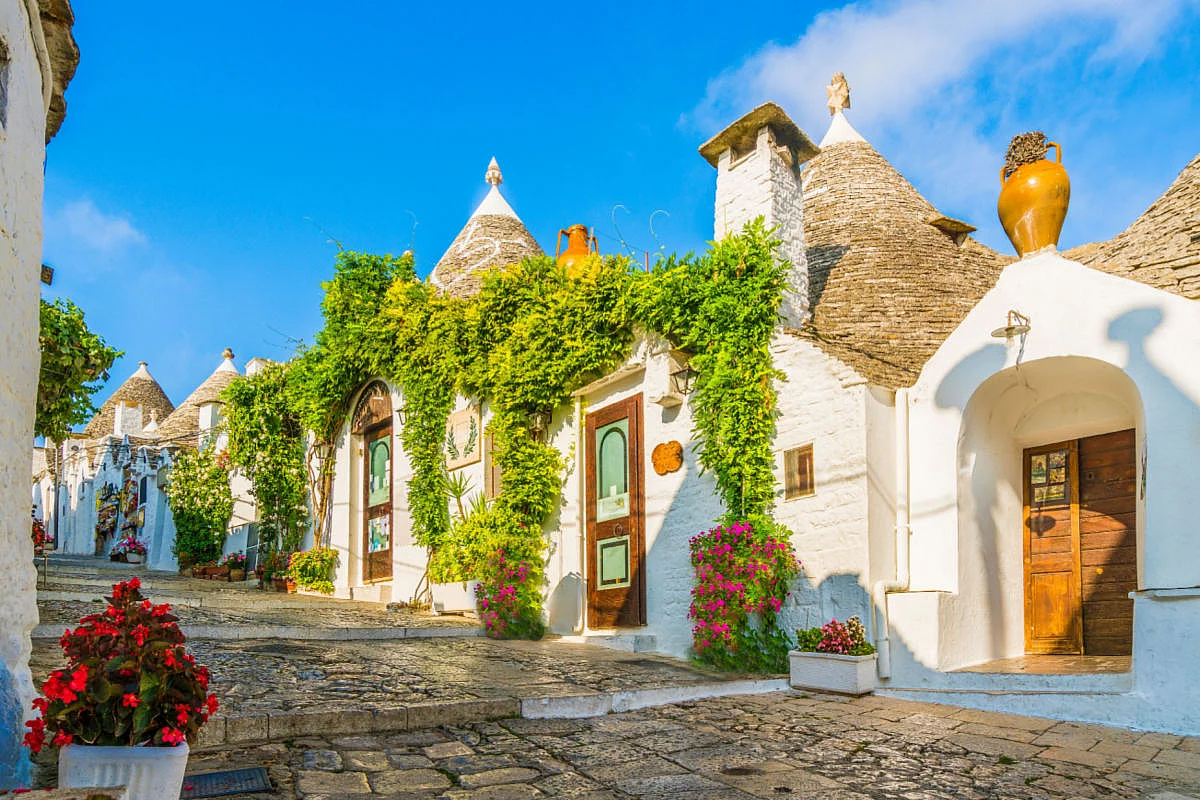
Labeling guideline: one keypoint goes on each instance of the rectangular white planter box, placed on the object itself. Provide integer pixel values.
(829, 672)
(453, 598)
(148, 773)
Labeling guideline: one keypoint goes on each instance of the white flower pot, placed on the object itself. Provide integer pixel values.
(453, 598)
(829, 672)
(133, 558)
(149, 773)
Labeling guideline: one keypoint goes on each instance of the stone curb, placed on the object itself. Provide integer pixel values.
(271, 727)
(599, 704)
(297, 632)
(236, 600)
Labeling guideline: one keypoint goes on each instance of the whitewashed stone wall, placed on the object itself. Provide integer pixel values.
(1103, 352)
(22, 150)
(824, 403)
(762, 183)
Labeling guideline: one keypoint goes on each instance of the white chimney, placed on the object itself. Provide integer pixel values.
(758, 160)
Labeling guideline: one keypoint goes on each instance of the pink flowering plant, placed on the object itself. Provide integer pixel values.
(509, 596)
(849, 639)
(742, 574)
(128, 681)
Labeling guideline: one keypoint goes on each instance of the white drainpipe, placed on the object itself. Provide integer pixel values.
(882, 589)
(581, 516)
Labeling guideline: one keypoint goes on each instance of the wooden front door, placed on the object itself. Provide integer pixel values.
(1080, 545)
(372, 421)
(377, 490)
(616, 554)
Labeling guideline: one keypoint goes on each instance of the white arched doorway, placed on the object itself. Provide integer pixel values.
(1050, 506)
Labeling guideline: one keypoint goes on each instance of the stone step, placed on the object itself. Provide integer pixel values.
(273, 727)
(295, 632)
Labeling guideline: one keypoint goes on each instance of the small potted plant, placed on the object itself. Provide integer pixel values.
(133, 550)
(236, 564)
(38, 532)
(129, 702)
(834, 658)
(313, 569)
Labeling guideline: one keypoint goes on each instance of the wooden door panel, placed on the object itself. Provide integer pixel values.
(1108, 541)
(1081, 546)
(615, 547)
(1053, 619)
(1106, 530)
(1052, 598)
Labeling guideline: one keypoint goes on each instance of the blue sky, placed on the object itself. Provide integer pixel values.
(210, 152)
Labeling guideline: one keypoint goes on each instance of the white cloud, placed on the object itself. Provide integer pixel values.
(901, 56)
(939, 86)
(82, 223)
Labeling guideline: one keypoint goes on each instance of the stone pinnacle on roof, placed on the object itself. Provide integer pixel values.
(837, 94)
(183, 425)
(493, 236)
(838, 100)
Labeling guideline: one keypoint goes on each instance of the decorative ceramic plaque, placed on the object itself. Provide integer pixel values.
(667, 457)
(464, 438)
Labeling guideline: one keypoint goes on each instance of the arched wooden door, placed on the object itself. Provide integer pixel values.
(373, 421)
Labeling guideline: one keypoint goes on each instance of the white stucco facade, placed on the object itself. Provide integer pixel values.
(22, 151)
(1103, 354)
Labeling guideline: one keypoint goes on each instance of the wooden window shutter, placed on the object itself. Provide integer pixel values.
(492, 481)
(798, 472)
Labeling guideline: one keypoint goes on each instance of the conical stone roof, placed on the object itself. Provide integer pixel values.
(139, 389)
(185, 421)
(493, 236)
(1162, 246)
(886, 287)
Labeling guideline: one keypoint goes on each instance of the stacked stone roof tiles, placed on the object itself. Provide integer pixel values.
(486, 241)
(57, 20)
(1162, 246)
(886, 287)
(494, 236)
(185, 421)
(140, 389)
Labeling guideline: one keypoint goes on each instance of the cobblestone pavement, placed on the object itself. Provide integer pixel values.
(61, 613)
(777, 745)
(273, 676)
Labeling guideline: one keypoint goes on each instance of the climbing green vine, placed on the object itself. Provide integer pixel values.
(201, 504)
(529, 338)
(267, 442)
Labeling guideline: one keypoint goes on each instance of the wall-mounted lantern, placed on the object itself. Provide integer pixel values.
(683, 379)
(402, 415)
(539, 421)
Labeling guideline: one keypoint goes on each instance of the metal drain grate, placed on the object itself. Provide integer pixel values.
(220, 784)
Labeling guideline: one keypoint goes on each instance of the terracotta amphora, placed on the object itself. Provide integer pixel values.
(579, 246)
(1033, 203)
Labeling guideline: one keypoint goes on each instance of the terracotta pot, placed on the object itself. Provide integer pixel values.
(237, 575)
(1033, 203)
(291, 585)
(579, 247)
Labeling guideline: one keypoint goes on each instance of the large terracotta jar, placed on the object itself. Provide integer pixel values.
(1033, 203)
(579, 246)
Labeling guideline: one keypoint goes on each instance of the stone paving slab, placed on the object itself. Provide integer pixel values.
(785, 744)
(250, 621)
(273, 689)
